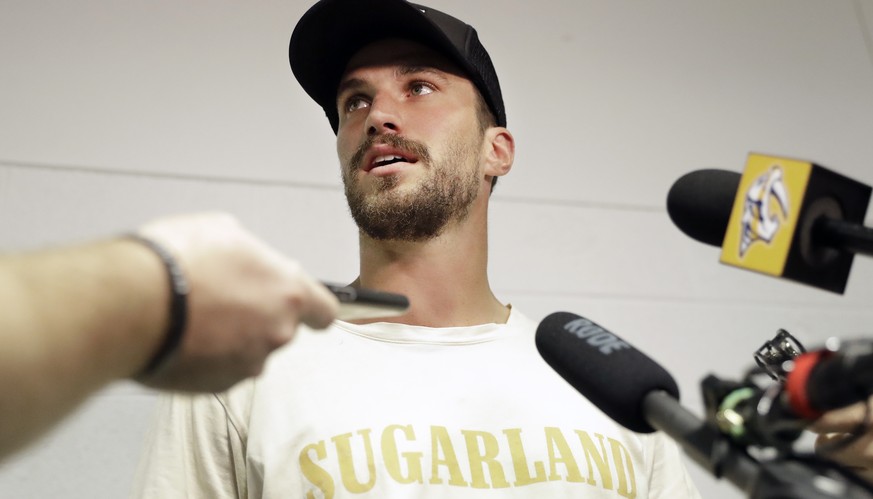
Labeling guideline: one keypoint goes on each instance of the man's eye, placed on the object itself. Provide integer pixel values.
(355, 103)
(421, 89)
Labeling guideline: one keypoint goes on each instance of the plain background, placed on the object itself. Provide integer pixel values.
(114, 112)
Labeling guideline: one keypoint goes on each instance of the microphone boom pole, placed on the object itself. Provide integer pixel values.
(775, 479)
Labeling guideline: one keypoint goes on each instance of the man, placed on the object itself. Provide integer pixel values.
(77, 318)
(450, 399)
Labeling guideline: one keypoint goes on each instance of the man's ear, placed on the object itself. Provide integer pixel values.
(499, 151)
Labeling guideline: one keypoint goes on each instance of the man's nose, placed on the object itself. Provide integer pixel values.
(384, 115)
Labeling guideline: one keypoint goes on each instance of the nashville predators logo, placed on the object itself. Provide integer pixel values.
(765, 209)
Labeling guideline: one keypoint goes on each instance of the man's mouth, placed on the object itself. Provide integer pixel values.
(382, 152)
(388, 159)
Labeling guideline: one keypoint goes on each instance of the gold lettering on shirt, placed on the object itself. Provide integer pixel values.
(343, 445)
(440, 441)
(316, 475)
(600, 459)
(402, 458)
(392, 456)
(481, 456)
(559, 453)
(519, 460)
(624, 468)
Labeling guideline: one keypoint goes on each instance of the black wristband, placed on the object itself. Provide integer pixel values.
(178, 305)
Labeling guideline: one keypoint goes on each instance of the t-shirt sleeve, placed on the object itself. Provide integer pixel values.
(668, 478)
(195, 448)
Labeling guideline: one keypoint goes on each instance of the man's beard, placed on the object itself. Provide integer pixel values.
(445, 194)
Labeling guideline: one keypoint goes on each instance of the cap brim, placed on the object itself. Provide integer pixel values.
(332, 31)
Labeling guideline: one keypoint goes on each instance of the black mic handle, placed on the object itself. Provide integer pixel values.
(706, 446)
(842, 379)
(777, 479)
(843, 235)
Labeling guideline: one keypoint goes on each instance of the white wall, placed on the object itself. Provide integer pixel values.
(112, 113)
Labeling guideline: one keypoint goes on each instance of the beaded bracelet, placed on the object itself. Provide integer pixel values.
(178, 304)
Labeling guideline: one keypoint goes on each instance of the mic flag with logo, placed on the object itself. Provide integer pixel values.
(771, 223)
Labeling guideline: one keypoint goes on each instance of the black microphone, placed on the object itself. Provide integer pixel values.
(700, 204)
(639, 394)
(830, 379)
(781, 217)
(615, 376)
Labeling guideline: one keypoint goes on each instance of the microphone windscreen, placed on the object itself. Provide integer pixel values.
(700, 204)
(608, 371)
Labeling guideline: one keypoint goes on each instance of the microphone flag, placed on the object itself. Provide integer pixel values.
(771, 231)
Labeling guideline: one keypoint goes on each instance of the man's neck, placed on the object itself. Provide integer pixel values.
(445, 278)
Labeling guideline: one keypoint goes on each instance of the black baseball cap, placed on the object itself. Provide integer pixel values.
(332, 31)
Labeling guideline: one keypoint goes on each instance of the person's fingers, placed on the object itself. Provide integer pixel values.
(247, 300)
(320, 307)
(850, 450)
(307, 299)
(846, 419)
(837, 441)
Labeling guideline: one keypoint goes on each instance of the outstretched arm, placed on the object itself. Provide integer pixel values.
(75, 319)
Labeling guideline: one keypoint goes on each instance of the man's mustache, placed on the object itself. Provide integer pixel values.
(412, 147)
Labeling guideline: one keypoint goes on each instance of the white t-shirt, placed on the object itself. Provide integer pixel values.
(395, 411)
